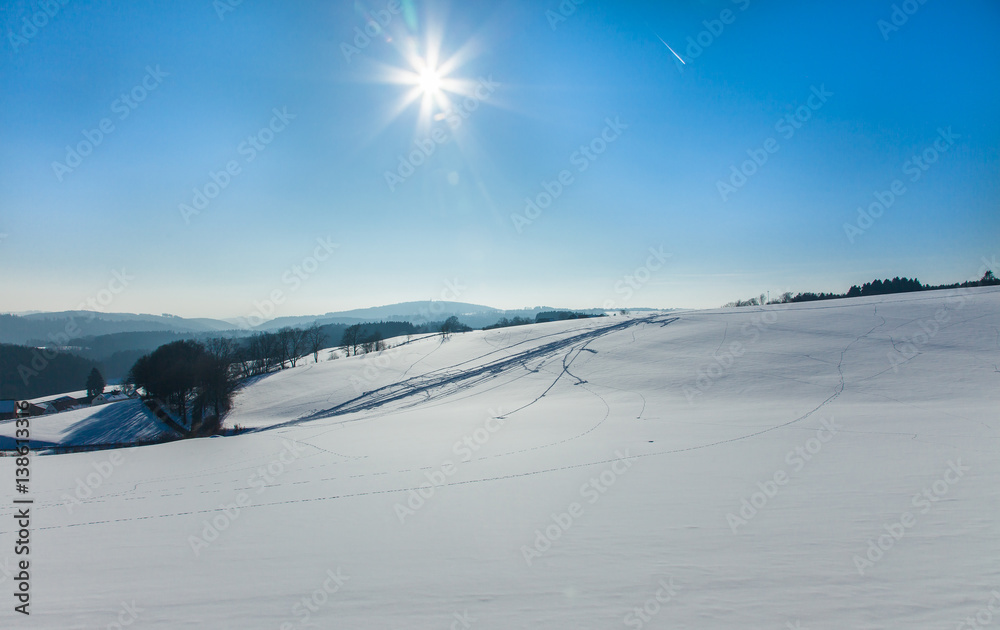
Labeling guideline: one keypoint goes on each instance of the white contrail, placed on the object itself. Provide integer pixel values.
(671, 50)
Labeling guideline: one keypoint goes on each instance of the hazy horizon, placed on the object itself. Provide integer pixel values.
(374, 306)
(236, 318)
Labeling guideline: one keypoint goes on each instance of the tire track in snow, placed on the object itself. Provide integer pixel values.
(837, 392)
(447, 381)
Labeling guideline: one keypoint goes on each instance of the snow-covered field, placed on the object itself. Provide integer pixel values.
(124, 422)
(826, 465)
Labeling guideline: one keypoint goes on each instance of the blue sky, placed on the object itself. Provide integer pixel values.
(215, 74)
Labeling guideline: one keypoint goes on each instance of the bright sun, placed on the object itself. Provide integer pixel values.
(429, 81)
(428, 78)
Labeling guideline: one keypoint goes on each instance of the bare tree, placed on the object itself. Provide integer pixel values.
(263, 353)
(291, 342)
(315, 338)
(373, 343)
(222, 348)
(255, 361)
(284, 343)
(298, 345)
(351, 339)
(241, 357)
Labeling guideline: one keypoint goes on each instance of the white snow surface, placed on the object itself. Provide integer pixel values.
(120, 422)
(572, 473)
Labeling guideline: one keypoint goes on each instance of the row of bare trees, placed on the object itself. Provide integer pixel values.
(354, 339)
(266, 352)
(197, 380)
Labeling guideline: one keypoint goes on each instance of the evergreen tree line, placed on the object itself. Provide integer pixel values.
(194, 380)
(27, 372)
(876, 287)
(369, 337)
(513, 321)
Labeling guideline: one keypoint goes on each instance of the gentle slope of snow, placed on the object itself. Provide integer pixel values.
(122, 422)
(856, 406)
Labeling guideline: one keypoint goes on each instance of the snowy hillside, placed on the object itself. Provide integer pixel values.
(826, 465)
(118, 423)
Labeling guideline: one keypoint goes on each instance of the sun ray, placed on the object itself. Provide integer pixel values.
(429, 74)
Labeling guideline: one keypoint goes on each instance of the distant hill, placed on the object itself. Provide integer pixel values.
(414, 312)
(41, 328)
(114, 341)
(421, 312)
